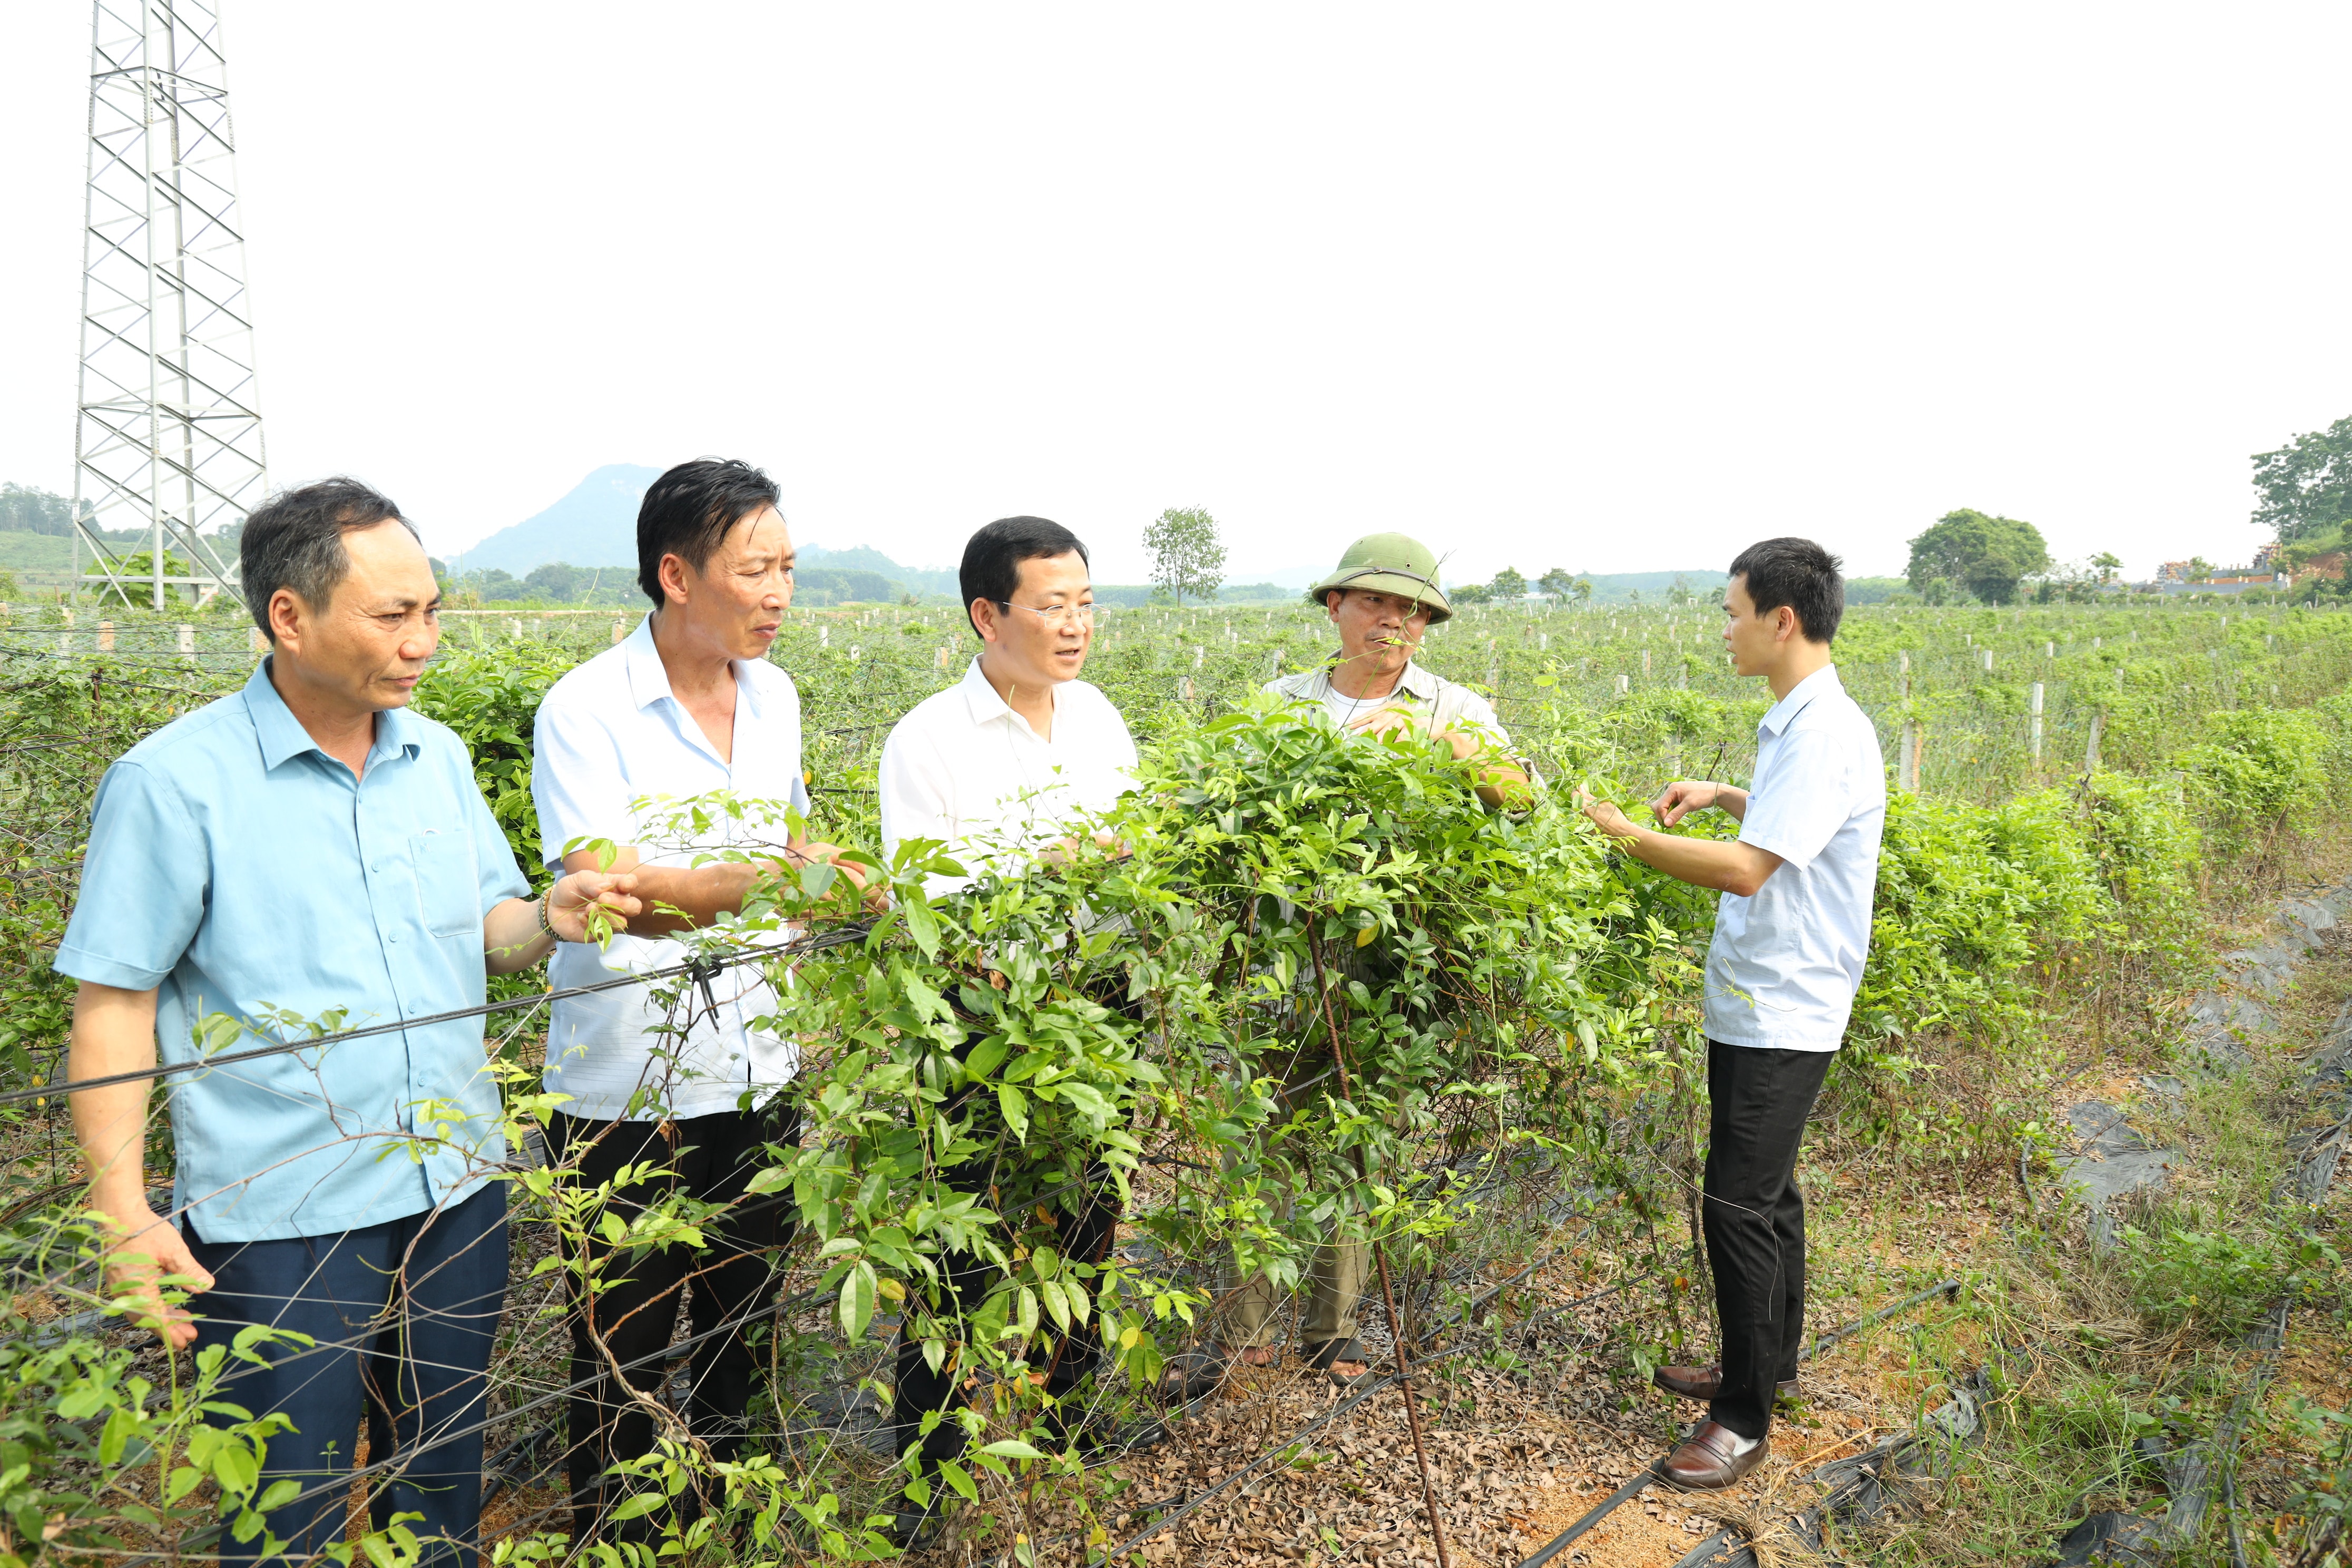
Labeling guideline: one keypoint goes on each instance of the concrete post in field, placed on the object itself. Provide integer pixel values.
(1906, 758)
(1645, 664)
(620, 631)
(2036, 703)
(106, 637)
(2091, 752)
(1988, 653)
(257, 639)
(187, 641)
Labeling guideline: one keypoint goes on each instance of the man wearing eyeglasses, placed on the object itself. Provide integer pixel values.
(1004, 768)
(1003, 761)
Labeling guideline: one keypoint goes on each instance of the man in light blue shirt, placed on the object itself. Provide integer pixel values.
(1790, 936)
(309, 851)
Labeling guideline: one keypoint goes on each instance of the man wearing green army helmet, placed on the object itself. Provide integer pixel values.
(1382, 598)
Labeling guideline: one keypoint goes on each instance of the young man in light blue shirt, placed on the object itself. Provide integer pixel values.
(1790, 935)
(307, 846)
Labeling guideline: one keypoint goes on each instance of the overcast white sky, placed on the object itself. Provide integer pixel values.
(1549, 285)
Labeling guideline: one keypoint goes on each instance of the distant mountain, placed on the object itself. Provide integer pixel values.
(865, 558)
(594, 525)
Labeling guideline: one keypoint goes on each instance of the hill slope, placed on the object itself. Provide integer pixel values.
(594, 525)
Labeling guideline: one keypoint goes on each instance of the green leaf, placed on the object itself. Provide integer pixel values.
(1011, 1448)
(983, 1057)
(1015, 1107)
(857, 1294)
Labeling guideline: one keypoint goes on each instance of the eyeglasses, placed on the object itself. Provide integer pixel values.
(1054, 618)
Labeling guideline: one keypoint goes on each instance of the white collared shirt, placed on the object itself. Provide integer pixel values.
(1785, 961)
(608, 734)
(962, 767)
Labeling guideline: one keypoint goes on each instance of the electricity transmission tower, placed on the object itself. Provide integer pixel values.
(168, 434)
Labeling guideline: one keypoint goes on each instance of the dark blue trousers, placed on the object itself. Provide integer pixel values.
(405, 1315)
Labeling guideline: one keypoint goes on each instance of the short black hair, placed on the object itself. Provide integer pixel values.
(688, 512)
(1800, 575)
(992, 557)
(295, 540)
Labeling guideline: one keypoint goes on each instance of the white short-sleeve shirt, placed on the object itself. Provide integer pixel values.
(962, 767)
(608, 734)
(1786, 960)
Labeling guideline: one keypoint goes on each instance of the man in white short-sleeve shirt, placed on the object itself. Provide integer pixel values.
(1002, 768)
(687, 705)
(1791, 933)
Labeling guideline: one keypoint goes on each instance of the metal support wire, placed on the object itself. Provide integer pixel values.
(699, 967)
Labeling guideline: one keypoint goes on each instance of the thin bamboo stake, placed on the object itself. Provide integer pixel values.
(1381, 1257)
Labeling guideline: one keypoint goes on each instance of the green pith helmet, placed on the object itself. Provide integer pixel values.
(1389, 563)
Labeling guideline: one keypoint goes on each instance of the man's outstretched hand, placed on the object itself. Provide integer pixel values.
(1605, 814)
(1684, 797)
(143, 1248)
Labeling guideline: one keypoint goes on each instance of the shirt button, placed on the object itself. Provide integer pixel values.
(392, 936)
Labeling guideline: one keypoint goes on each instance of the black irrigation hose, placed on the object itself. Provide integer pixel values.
(1915, 1299)
(1625, 1494)
(841, 937)
(1649, 1473)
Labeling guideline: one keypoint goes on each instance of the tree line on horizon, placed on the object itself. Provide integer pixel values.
(1967, 555)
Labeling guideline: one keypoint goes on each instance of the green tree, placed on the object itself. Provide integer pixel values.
(2307, 485)
(1509, 587)
(1559, 582)
(25, 509)
(1989, 556)
(557, 580)
(1186, 556)
(2107, 565)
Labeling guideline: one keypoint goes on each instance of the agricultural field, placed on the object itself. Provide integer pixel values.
(2101, 808)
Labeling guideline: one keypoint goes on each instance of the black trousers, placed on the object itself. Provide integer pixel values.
(1087, 1219)
(1754, 1218)
(711, 1158)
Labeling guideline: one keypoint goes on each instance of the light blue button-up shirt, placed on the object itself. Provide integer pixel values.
(235, 868)
(1785, 962)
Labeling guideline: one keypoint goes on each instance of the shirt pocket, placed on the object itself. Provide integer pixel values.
(449, 893)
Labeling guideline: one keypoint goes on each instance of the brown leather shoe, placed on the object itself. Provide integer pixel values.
(1705, 1383)
(1705, 1462)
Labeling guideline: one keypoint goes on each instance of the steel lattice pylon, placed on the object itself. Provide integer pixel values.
(168, 436)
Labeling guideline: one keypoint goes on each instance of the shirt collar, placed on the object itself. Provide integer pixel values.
(981, 701)
(1413, 681)
(649, 677)
(282, 736)
(1821, 682)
